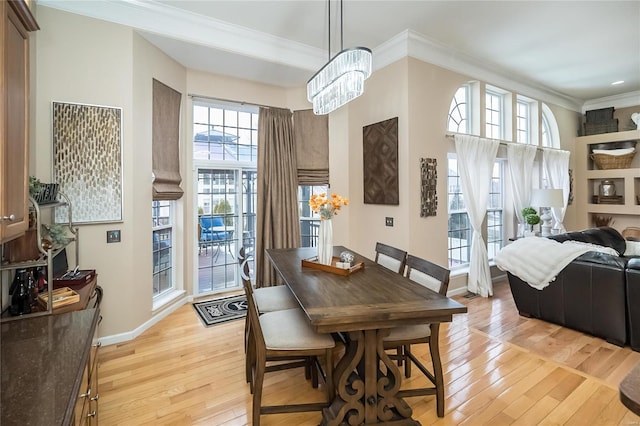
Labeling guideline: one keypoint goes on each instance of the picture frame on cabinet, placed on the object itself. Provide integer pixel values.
(87, 161)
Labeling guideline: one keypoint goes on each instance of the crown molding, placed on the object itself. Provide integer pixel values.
(624, 100)
(177, 23)
(416, 45)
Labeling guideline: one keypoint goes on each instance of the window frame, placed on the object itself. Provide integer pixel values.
(157, 251)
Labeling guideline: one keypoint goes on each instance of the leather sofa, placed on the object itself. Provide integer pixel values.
(594, 294)
(633, 302)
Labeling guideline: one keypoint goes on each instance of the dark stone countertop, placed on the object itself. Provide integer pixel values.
(42, 364)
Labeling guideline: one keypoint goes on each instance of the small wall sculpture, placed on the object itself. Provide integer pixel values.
(428, 194)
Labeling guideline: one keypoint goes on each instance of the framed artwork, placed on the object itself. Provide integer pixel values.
(429, 179)
(380, 157)
(87, 161)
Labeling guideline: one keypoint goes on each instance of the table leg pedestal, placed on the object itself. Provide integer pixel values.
(366, 393)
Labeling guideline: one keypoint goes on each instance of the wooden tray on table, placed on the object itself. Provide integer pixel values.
(313, 263)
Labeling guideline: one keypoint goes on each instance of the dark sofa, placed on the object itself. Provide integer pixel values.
(596, 293)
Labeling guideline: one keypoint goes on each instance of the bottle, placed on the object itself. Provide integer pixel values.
(21, 295)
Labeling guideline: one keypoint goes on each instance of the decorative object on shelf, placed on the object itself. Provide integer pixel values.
(20, 291)
(613, 158)
(546, 199)
(56, 234)
(429, 196)
(34, 186)
(380, 161)
(342, 78)
(48, 193)
(600, 121)
(607, 188)
(87, 161)
(570, 198)
(599, 221)
(635, 117)
(326, 207)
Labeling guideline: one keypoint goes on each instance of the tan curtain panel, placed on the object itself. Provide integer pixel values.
(278, 221)
(312, 147)
(166, 142)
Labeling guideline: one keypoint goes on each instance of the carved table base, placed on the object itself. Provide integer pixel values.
(365, 394)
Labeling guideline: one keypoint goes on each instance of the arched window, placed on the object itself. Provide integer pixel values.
(550, 134)
(458, 120)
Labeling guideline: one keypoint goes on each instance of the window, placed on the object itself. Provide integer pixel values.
(493, 110)
(523, 121)
(161, 212)
(309, 221)
(460, 231)
(495, 216)
(224, 134)
(459, 111)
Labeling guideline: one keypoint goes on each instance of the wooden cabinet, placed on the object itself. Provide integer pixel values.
(624, 211)
(17, 22)
(86, 408)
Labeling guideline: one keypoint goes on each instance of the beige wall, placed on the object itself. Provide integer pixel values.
(89, 61)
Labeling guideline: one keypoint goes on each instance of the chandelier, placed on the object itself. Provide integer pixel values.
(342, 78)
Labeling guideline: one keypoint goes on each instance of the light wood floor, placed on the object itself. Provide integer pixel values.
(499, 368)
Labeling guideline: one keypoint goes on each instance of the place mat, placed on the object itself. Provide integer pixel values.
(216, 311)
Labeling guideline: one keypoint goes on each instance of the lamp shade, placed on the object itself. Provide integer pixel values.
(547, 198)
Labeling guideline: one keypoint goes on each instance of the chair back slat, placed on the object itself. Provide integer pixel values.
(252, 309)
(428, 274)
(390, 257)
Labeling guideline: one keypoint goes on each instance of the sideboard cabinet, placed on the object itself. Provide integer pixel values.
(17, 23)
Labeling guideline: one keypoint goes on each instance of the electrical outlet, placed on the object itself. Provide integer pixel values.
(113, 236)
(388, 221)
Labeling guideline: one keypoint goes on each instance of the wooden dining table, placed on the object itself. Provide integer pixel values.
(364, 305)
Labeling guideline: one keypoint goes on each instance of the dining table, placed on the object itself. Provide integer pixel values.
(363, 305)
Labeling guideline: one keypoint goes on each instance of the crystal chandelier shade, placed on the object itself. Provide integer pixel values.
(340, 80)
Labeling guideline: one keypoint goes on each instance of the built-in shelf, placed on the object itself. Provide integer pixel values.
(588, 179)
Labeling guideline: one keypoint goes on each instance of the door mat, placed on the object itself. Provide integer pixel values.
(216, 311)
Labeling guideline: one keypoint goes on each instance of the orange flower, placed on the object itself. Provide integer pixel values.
(327, 207)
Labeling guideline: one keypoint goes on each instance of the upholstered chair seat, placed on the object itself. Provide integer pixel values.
(290, 330)
(278, 298)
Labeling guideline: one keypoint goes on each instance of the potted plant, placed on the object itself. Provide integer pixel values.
(531, 218)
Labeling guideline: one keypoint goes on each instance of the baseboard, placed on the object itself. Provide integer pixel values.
(125, 337)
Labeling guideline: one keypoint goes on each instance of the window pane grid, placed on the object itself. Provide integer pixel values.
(162, 247)
(221, 134)
(309, 221)
(523, 122)
(458, 120)
(493, 115)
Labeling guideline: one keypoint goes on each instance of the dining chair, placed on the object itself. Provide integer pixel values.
(271, 299)
(436, 278)
(390, 257)
(284, 336)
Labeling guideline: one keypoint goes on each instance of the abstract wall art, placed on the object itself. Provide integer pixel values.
(87, 161)
(380, 157)
(429, 180)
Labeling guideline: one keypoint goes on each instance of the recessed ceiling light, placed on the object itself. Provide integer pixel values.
(615, 83)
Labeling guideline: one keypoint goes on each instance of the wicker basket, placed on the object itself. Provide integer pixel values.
(606, 162)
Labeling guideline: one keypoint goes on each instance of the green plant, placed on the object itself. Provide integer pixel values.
(55, 233)
(532, 219)
(527, 211)
(223, 207)
(34, 186)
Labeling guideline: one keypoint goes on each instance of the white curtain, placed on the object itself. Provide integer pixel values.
(520, 158)
(556, 166)
(475, 164)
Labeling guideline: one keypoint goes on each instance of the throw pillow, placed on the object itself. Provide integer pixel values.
(594, 247)
(633, 248)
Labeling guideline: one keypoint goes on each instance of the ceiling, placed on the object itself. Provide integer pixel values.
(570, 49)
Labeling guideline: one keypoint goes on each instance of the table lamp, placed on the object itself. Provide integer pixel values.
(545, 199)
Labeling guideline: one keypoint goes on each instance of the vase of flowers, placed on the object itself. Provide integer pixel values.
(326, 207)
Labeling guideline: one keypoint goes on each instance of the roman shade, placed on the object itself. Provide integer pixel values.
(166, 142)
(311, 135)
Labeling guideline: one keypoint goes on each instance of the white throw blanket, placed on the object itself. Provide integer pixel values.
(537, 261)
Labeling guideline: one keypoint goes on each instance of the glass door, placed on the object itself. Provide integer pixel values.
(216, 230)
(226, 204)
